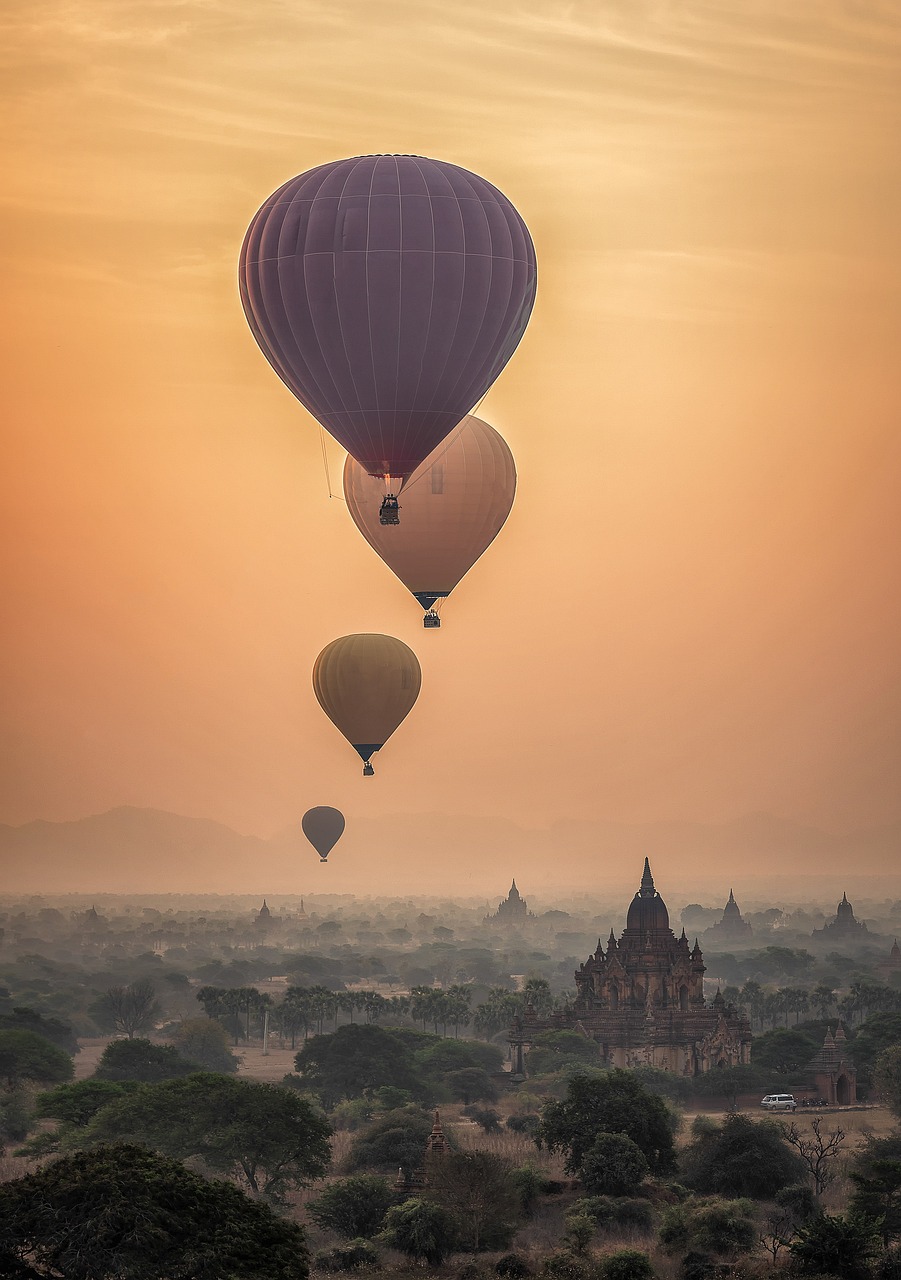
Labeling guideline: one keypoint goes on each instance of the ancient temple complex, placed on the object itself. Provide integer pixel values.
(844, 927)
(513, 909)
(732, 928)
(643, 1001)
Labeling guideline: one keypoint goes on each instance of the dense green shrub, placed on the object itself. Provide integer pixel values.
(724, 1227)
(487, 1119)
(580, 1229)
(513, 1266)
(350, 1115)
(353, 1207)
(614, 1214)
(836, 1246)
(422, 1230)
(627, 1264)
(529, 1184)
(609, 1102)
(613, 1165)
(740, 1157)
(142, 1061)
(353, 1256)
(563, 1264)
(524, 1124)
(396, 1140)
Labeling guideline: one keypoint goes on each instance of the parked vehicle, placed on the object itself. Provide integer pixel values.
(779, 1102)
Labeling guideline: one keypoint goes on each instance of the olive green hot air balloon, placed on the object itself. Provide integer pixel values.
(366, 685)
(454, 505)
(323, 827)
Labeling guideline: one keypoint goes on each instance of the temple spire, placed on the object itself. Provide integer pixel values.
(647, 881)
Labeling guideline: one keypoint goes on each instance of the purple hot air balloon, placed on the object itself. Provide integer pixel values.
(388, 292)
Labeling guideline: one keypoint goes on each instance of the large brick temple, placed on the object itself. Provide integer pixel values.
(642, 1000)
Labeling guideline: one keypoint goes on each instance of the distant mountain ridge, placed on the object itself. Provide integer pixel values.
(134, 850)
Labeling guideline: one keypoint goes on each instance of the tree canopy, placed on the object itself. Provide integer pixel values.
(421, 1229)
(740, 1158)
(613, 1166)
(611, 1102)
(552, 1050)
(125, 1213)
(887, 1078)
(353, 1060)
(879, 1032)
(127, 1009)
(783, 1051)
(479, 1190)
(52, 1029)
(27, 1056)
(143, 1061)
(392, 1141)
(205, 1041)
(267, 1137)
(353, 1207)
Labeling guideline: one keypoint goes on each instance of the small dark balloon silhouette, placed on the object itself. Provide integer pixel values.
(323, 827)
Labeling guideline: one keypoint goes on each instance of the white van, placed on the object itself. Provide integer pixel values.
(779, 1102)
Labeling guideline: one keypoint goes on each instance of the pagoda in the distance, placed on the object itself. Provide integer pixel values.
(513, 910)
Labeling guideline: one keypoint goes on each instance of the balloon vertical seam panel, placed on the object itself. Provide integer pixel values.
(388, 392)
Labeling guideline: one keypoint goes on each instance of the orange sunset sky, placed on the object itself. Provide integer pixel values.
(694, 610)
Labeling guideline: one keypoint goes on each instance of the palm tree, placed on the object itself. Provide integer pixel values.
(458, 1001)
(537, 992)
(822, 998)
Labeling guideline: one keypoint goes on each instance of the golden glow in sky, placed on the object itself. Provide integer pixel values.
(694, 609)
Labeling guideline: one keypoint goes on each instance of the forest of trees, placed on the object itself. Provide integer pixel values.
(575, 1173)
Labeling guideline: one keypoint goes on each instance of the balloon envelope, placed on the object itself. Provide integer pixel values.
(453, 507)
(366, 685)
(388, 292)
(323, 827)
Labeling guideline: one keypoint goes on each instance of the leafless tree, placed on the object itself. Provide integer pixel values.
(132, 1008)
(817, 1149)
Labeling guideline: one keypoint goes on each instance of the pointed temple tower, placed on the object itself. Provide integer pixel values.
(643, 1000)
(844, 927)
(834, 1075)
(732, 927)
(513, 909)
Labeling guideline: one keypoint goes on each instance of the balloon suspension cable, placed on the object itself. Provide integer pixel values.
(431, 617)
(328, 477)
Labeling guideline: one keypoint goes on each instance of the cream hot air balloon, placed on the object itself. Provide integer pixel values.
(366, 685)
(454, 506)
(323, 827)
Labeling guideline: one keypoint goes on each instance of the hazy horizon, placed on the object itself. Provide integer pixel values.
(128, 849)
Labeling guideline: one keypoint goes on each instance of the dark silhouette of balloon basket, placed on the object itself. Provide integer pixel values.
(389, 511)
(367, 685)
